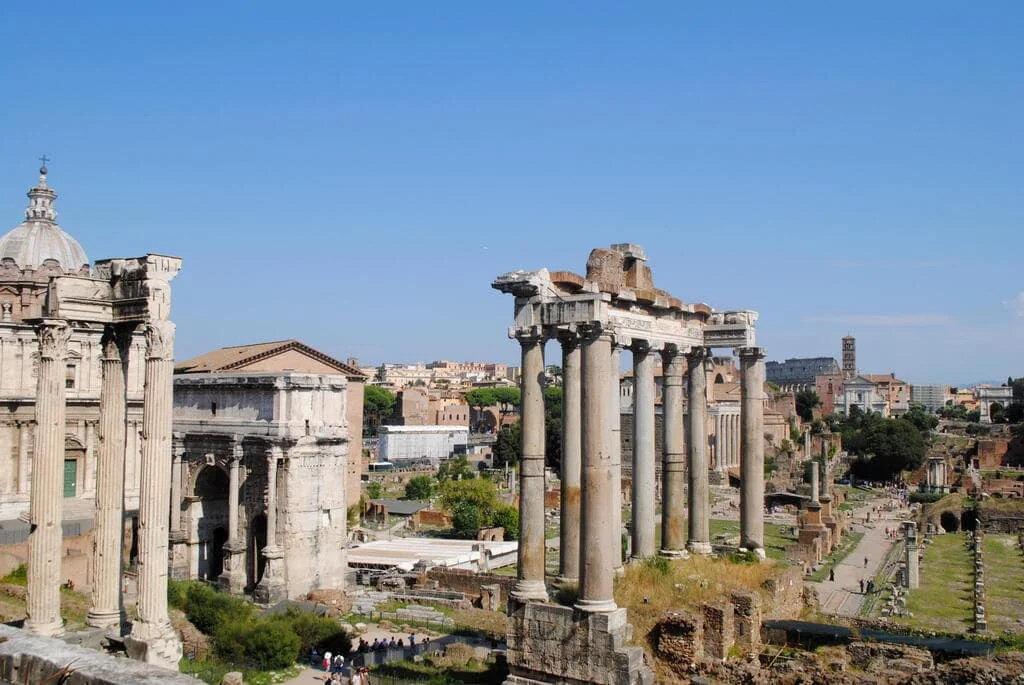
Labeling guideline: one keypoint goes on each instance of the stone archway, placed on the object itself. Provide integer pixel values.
(255, 561)
(949, 521)
(210, 513)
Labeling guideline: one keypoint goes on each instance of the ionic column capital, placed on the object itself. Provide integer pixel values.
(531, 335)
(53, 335)
(160, 340)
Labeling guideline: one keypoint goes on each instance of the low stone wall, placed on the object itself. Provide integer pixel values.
(26, 658)
(429, 517)
(784, 594)
(474, 585)
(76, 564)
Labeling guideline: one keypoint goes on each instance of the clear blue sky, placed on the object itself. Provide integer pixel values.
(354, 175)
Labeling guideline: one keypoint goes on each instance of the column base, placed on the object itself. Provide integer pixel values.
(232, 579)
(595, 606)
(562, 581)
(272, 589)
(46, 629)
(156, 644)
(674, 554)
(757, 551)
(530, 591)
(701, 548)
(105, 619)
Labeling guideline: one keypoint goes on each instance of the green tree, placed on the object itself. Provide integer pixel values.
(553, 427)
(507, 447)
(921, 418)
(806, 401)
(374, 489)
(420, 488)
(507, 517)
(468, 519)
(997, 413)
(456, 468)
(508, 401)
(378, 404)
(478, 491)
(888, 447)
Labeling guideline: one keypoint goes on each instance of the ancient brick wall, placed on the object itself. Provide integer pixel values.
(746, 607)
(992, 452)
(784, 595)
(718, 630)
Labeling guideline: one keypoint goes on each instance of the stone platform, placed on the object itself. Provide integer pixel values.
(550, 643)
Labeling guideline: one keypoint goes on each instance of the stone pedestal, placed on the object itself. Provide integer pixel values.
(548, 643)
(46, 506)
(153, 639)
(271, 588)
(233, 577)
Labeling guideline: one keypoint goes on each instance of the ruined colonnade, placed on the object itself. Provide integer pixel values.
(125, 295)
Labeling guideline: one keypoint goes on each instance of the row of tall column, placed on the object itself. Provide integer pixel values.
(46, 502)
(726, 444)
(590, 548)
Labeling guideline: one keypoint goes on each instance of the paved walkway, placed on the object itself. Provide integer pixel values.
(843, 596)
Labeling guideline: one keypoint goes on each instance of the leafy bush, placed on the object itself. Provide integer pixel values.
(315, 631)
(266, 644)
(17, 576)
(507, 517)
(208, 609)
(925, 497)
(177, 593)
(420, 488)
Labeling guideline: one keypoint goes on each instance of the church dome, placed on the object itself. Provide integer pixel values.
(39, 238)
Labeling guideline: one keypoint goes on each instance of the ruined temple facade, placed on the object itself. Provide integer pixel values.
(267, 441)
(616, 308)
(86, 355)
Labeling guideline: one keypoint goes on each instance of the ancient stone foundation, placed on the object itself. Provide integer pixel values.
(582, 647)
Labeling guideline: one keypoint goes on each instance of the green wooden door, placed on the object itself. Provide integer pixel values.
(70, 477)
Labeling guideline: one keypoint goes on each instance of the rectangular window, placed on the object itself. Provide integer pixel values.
(69, 376)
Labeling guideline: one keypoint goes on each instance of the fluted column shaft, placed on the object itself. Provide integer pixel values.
(106, 611)
(596, 561)
(814, 482)
(673, 535)
(23, 437)
(643, 452)
(614, 433)
(696, 448)
(153, 625)
(177, 455)
(569, 547)
(233, 502)
(46, 505)
(752, 449)
(530, 584)
(271, 500)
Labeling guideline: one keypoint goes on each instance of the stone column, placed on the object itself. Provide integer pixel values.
(807, 444)
(530, 584)
(697, 468)
(24, 429)
(232, 578)
(46, 505)
(597, 563)
(913, 570)
(752, 449)
(673, 535)
(569, 529)
(177, 455)
(107, 610)
(271, 588)
(643, 451)
(614, 424)
(814, 482)
(153, 639)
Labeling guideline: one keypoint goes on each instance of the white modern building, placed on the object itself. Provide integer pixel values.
(398, 444)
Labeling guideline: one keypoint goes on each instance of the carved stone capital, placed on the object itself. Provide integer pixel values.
(750, 354)
(53, 339)
(160, 340)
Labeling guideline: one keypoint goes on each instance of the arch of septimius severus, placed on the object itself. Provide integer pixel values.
(66, 331)
(616, 307)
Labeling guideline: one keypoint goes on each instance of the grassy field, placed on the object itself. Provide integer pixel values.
(945, 599)
(1004, 586)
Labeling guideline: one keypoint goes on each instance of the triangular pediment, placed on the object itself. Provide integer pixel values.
(286, 355)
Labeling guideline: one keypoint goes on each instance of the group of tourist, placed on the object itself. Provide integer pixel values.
(384, 643)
